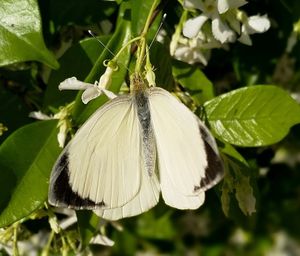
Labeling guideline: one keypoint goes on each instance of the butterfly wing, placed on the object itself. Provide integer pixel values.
(147, 198)
(101, 167)
(148, 195)
(189, 162)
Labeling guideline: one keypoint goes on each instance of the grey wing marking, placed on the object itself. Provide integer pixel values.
(214, 171)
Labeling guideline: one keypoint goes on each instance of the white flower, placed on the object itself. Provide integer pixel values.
(102, 240)
(191, 52)
(92, 91)
(251, 25)
(212, 9)
(195, 50)
(225, 5)
(39, 115)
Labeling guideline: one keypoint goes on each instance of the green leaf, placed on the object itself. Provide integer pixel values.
(161, 61)
(21, 34)
(252, 116)
(26, 160)
(88, 225)
(86, 53)
(149, 226)
(229, 150)
(120, 37)
(139, 12)
(238, 182)
(194, 81)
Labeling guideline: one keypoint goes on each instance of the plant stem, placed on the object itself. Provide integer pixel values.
(45, 251)
(125, 46)
(142, 46)
(15, 240)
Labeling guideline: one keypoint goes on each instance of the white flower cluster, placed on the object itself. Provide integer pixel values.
(219, 23)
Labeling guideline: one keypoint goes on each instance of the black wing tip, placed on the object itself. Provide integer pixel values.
(60, 192)
(214, 171)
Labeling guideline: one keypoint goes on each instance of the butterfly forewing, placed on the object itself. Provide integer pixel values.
(185, 154)
(103, 165)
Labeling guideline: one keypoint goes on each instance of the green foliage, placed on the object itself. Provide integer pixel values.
(194, 81)
(244, 96)
(252, 116)
(21, 34)
(88, 223)
(26, 159)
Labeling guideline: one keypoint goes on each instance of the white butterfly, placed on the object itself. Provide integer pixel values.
(132, 148)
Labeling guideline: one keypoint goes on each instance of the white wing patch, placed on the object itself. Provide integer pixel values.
(147, 198)
(181, 151)
(104, 155)
(177, 200)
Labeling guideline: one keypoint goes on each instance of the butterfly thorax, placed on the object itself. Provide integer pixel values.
(137, 84)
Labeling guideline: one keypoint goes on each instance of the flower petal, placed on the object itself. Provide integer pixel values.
(102, 240)
(39, 115)
(200, 57)
(73, 84)
(258, 24)
(221, 31)
(105, 79)
(232, 21)
(109, 94)
(183, 53)
(245, 38)
(192, 26)
(90, 94)
(225, 5)
(193, 4)
(62, 134)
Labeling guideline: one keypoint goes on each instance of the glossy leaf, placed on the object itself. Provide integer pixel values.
(26, 160)
(194, 81)
(21, 34)
(161, 61)
(252, 116)
(139, 13)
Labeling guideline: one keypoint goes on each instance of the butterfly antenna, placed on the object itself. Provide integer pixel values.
(104, 46)
(157, 31)
(159, 27)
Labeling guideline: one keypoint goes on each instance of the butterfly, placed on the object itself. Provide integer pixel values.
(130, 150)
